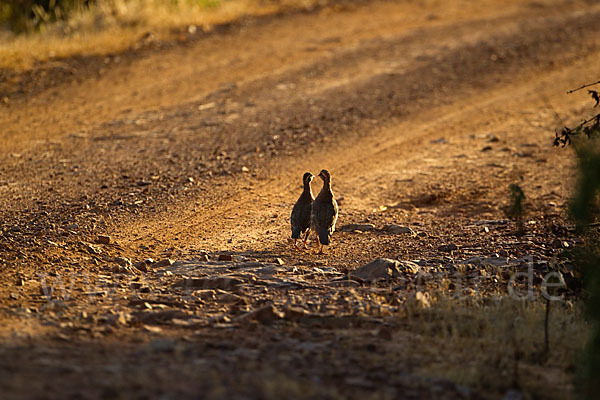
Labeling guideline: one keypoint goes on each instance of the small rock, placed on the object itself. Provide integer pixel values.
(152, 329)
(383, 268)
(472, 261)
(357, 227)
(166, 262)
(118, 269)
(495, 261)
(92, 249)
(448, 247)
(141, 266)
(206, 106)
(398, 229)
(123, 261)
(225, 257)
(204, 256)
(120, 318)
(103, 239)
(98, 293)
(558, 243)
(279, 261)
(218, 282)
(264, 315)
(487, 148)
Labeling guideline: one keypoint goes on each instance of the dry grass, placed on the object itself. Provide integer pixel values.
(499, 344)
(115, 25)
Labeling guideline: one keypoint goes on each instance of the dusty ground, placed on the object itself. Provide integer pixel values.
(423, 112)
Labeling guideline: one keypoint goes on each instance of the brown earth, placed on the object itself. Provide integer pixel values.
(423, 112)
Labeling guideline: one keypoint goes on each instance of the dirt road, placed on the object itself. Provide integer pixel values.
(423, 112)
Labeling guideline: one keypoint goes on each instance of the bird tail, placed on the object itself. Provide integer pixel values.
(296, 231)
(324, 237)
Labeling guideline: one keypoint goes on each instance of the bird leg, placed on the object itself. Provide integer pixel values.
(319, 244)
(306, 238)
(320, 248)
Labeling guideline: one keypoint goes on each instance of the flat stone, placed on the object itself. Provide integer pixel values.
(398, 229)
(264, 315)
(384, 268)
(472, 260)
(103, 239)
(166, 262)
(357, 227)
(123, 261)
(218, 282)
(495, 261)
(448, 247)
(152, 329)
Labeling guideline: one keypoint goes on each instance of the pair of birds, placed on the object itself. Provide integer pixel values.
(317, 214)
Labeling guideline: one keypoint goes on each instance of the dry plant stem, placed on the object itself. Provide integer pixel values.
(583, 87)
(546, 331)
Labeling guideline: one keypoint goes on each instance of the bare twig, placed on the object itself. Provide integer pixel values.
(582, 87)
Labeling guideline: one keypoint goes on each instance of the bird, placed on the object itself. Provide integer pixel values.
(300, 218)
(324, 212)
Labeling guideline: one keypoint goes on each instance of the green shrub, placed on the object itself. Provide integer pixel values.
(27, 15)
(586, 138)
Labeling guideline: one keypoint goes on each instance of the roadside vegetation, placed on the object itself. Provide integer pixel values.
(36, 31)
(584, 208)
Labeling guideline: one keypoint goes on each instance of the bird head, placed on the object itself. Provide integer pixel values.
(324, 174)
(307, 178)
